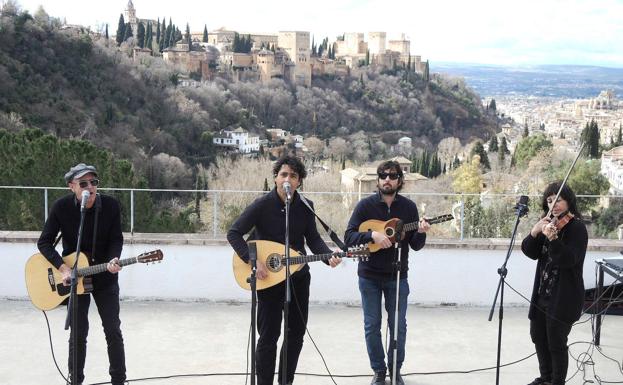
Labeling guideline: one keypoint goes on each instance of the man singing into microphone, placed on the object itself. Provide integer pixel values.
(102, 242)
(266, 215)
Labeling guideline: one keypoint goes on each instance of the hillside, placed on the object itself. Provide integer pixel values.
(74, 84)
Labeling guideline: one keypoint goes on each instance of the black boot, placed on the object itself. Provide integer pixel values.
(540, 381)
(379, 378)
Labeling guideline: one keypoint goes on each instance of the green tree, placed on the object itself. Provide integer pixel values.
(610, 219)
(493, 106)
(158, 31)
(493, 144)
(188, 38)
(526, 132)
(479, 150)
(619, 141)
(426, 73)
(128, 32)
(205, 34)
(140, 35)
(106, 33)
(528, 147)
(120, 30)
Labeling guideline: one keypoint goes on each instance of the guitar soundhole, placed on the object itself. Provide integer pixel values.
(273, 263)
(389, 231)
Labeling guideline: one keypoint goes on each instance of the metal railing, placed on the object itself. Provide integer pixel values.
(213, 211)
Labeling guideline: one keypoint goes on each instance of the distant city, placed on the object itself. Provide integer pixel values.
(545, 81)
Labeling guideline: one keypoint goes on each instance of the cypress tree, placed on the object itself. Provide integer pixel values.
(480, 151)
(128, 32)
(526, 132)
(205, 34)
(188, 37)
(140, 35)
(619, 141)
(120, 30)
(493, 144)
(106, 33)
(593, 140)
(158, 31)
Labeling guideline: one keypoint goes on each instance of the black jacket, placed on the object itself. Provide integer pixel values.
(567, 253)
(381, 263)
(267, 215)
(65, 217)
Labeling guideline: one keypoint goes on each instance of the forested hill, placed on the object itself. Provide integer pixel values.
(74, 84)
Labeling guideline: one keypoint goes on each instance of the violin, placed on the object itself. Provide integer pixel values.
(561, 220)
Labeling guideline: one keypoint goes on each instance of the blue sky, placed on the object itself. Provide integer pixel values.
(520, 32)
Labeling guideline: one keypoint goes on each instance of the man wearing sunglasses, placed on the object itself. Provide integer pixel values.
(378, 275)
(102, 242)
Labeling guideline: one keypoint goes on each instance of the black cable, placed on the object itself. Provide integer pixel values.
(47, 322)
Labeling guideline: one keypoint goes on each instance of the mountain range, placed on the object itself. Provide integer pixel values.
(555, 81)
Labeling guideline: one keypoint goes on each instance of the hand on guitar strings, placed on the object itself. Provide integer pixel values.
(113, 266)
(423, 226)
(334, 260)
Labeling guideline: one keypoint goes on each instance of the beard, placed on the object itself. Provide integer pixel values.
(388, 189)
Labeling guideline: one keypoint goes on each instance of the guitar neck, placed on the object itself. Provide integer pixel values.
(313, 258)
(102, 267)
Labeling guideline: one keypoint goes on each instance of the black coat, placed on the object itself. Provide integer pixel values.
(567, 253)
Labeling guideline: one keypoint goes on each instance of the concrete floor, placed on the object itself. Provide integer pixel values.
(206, 343)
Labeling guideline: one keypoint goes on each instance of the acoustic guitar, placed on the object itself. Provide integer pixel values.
(272, 255)
(45, 283)
(389, 227)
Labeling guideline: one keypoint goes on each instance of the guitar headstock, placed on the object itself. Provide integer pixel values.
(150, 256)
(439, 219)
(361, 252)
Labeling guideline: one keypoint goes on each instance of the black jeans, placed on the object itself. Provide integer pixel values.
(550, 340)
(107, 301)
(269, 315)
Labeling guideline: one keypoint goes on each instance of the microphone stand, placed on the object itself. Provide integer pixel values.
(394, 341)
(286, 304)
(522, 210)
(72, 307)
(253, 281)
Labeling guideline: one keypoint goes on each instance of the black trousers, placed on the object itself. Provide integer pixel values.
(269, 315)
(550, 340)
(107, 301)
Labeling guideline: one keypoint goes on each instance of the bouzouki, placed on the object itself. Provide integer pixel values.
(45, 283)
(389, 227)
(272, 255)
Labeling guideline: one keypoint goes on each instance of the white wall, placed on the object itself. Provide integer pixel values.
(462, 276)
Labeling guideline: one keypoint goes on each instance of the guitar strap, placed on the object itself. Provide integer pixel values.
(98, 208)
(329, 231)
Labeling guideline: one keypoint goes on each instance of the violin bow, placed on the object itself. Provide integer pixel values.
(549, 213)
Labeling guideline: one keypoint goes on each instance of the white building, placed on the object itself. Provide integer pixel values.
(238, 140)
(612, 168)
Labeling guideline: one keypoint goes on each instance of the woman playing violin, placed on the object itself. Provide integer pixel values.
(558, 242)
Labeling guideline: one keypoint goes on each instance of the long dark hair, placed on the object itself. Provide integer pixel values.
(566, 193)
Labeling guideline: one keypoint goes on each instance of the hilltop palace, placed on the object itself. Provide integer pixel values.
(286, 55)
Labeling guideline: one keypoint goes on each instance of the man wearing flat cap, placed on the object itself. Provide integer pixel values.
(102, 242)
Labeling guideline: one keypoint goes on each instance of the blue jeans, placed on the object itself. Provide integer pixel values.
(371, 292)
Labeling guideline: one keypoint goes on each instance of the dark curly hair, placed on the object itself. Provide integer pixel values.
(566, 193)
(293, 162)
(393, 166)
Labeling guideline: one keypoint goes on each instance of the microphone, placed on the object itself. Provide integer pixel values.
(85, 198)
(288, 189)
(522, 205)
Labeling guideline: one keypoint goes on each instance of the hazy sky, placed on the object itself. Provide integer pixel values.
(516, 32)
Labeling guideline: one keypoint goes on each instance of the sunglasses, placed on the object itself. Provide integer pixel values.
(85, 183)
(392, 176)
